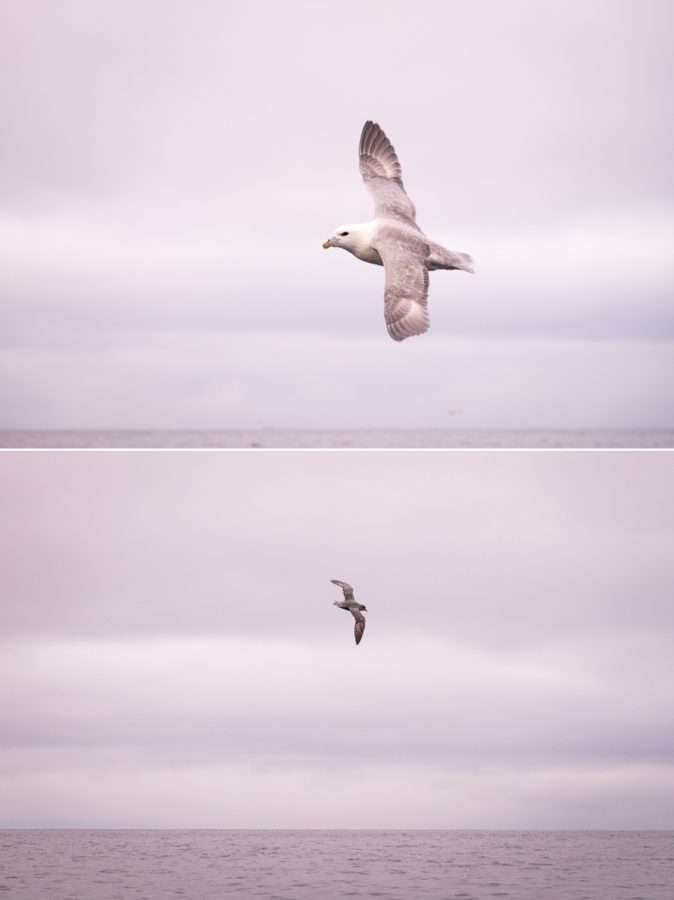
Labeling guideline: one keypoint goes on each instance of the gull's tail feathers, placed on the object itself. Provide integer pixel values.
(465, 262)
(442, 258)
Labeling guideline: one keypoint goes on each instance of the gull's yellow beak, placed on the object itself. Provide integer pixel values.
(327, 245)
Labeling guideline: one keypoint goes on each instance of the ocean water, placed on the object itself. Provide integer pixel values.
(374, 438)
(311, 865)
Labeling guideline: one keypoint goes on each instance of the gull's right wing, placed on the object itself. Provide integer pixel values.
(348, 590)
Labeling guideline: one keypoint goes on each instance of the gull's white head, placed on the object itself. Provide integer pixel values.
(348, 237)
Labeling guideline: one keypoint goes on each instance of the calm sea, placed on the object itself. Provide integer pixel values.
(309, 865)
(375, 438)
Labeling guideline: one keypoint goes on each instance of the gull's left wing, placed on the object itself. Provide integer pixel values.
(359, 627)
(381, 173)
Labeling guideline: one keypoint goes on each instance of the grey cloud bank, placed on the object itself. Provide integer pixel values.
(171, 655)
(170, 174)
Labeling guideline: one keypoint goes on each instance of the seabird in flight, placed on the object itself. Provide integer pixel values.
(350, 604)
(394, 240)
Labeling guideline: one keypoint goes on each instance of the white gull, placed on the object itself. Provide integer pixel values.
(394, 240)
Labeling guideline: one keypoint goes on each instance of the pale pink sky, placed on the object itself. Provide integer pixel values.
(170, 655)
(169, 172)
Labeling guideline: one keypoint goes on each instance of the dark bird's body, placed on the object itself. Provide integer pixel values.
(350, 604)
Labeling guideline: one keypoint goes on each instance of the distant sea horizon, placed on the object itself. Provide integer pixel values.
(316, 864)
(353, 438)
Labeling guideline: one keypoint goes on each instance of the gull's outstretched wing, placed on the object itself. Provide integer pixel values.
(348, 590)
(381, 173)
(406, 282)
(359, 627)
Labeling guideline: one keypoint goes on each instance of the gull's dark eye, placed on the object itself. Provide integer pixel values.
(343, 233)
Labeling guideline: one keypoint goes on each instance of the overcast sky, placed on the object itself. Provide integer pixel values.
(169, 172)
(170, 654)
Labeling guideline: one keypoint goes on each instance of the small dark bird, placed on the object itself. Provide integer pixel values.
(356, 609)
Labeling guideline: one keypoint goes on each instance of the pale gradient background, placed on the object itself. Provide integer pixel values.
(169, 171)
(170, 654)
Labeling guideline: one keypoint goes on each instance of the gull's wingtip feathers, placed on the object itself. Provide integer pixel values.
(341, 584)
(378, 158)
(367, 128)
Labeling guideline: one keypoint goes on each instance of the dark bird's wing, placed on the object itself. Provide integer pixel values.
(359, 627)
(406, 281)
(381, 173)
(348, 590)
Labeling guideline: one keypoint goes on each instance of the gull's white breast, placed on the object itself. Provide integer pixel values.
(362, 244)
